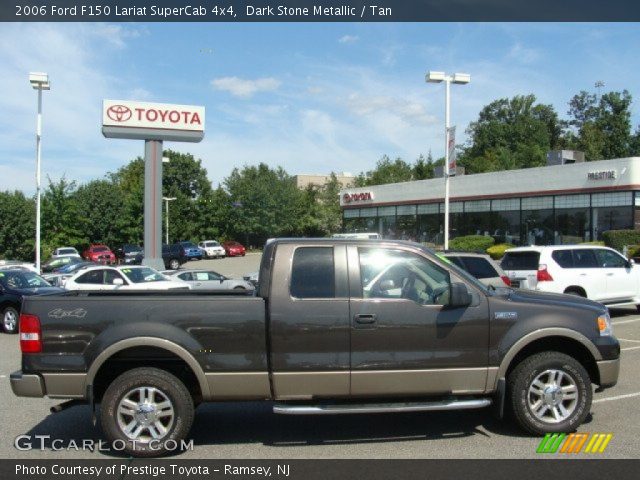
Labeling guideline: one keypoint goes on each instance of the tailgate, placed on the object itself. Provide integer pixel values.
(522, 268)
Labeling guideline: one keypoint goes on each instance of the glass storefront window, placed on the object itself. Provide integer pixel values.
(407, 222)
(573, 225)
(430, 229)
(538, 227)
(611, 218)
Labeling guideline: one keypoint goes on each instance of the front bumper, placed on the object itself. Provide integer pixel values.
(608, 371)
(24, 385)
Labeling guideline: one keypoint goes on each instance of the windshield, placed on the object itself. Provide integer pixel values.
(143, 275)
(211, 244)
(100, 249)
(188, 244)
(65, 251)
(132, 248)
(19, 279)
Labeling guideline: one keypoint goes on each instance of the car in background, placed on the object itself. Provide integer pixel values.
(481, 266)
(210, 280)
(212, 249)
(122, 278)
(598, 273)
(129, 254)
(60, 276)
(15, 284)
(18, 264)
(65, 252)
(99, 253)
(234, 249)
(54, 264)
(191, 250)
(173, 256)
(253, 278)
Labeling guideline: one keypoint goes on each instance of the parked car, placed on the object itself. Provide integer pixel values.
(122, 278)
(191, 250)
(210, 280)
(18, 264)
(481, 266)
(234, 249)
(60, 276)
(129, 254)
(173, 256)
(15, 284)
(312, 343)
(55, 264)
(65, 252)
(253, 278)
(99, 253)
(597, 273)
(212, 249)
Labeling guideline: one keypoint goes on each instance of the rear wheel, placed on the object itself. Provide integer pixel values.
(174, 264)
(550, 392)
(10, 317)
(239, 288)
(147, 410)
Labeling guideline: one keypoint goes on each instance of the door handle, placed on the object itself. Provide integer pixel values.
(609, 274)
(365, 318)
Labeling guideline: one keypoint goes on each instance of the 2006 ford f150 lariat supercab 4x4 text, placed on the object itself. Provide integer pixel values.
(336, 326)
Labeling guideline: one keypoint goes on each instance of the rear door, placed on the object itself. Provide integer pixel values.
(405, 339)
(309, 321)
(620, 276)
(586, 273)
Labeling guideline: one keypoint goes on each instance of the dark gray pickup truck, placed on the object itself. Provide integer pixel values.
(335, 327)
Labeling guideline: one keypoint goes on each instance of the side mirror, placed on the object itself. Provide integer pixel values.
(460, 296)
(118, 282)
(630, 263)
(222, 279)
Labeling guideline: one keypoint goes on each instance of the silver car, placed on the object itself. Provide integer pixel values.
(210, 280)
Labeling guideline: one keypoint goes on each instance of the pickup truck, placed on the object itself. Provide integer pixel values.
(336, 326)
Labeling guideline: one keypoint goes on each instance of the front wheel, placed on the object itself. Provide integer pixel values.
(10, 318)
(550, 392)
(147, 410)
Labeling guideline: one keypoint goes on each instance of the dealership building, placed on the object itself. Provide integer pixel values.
(567, 202)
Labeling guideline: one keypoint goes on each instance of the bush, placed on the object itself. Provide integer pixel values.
(471, 243)
(598, 243)
(497, 251)
(633, 251)
(619, 238)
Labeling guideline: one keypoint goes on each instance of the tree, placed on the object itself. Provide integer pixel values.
(423, 168)
(386, 171)
(61, 217)
(17, 226)
(102, 207)
(511, 133)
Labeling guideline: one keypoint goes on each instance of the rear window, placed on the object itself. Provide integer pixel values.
(313, 273)
(520, 261)
(479, 267)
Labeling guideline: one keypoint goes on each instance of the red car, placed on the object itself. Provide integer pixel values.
(100, 254)
(234, 249)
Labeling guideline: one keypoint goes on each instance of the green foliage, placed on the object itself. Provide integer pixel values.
(471, 243)
(598, 243)
(633, 251)
(497, 251)
(619, 238)
(17, 226)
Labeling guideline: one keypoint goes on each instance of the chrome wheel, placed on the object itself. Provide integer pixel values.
(10, 320)
(552, 396)
(145, 414)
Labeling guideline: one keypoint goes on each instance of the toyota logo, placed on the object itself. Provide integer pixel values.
(346, 198)
(119, 113)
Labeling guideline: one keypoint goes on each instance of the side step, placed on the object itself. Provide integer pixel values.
(336, 409)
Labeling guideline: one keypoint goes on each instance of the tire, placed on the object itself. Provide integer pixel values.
(239, 288)
(575, 385)
(575, 293)
(124, 395)
(174, 264)
(10, 320)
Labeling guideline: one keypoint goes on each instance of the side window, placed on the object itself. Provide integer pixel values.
(201, 276)
(397, 274)
(110, 276)
(480, 267)
(94, 277)
(564, 258)
(609, 259)
(584, 258)
(313, 273)
(185, 276)
(212, 276)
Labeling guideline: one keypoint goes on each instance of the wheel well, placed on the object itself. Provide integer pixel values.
(565, 345)
(135, 357)
(579, 290)
(9, 304)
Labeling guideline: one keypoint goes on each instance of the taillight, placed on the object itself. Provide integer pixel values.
(543, 274)
(30, 334)
(506, 280)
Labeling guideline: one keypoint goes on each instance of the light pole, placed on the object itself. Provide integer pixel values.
(460, 79)
(39, 81)
(167, 200)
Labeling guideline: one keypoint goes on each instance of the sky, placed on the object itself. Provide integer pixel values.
(312, 98)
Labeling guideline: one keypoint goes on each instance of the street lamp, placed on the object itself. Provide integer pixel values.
(459, 79)
(39, 81)
(167, 200)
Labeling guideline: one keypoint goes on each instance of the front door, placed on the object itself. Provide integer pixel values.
(621, 279)
(405, 339)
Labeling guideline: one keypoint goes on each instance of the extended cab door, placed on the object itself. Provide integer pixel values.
(405, 339)
(309, 321)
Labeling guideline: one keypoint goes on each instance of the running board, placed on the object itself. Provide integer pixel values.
(336, 409)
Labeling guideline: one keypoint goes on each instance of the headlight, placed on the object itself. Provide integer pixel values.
(604, 325)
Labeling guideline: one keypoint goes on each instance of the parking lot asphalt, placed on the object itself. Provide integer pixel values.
(252, 431)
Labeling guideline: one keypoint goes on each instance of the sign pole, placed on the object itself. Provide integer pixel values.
(153, 204)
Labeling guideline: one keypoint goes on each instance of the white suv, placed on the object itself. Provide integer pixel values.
(597, 273)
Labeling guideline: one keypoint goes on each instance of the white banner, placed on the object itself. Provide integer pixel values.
(451, 148)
